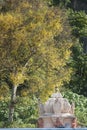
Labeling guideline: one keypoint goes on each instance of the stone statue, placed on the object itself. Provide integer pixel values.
(57, 104)
(56, 107)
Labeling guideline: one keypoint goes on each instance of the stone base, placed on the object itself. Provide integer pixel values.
(49, 119)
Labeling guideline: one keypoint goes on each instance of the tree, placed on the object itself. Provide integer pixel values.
(61, 3)
(79, 64)
(78, 21)
(29, 50)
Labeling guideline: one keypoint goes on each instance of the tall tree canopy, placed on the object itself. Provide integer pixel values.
(32, 50)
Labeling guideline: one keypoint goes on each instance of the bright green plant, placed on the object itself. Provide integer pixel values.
(80, 106)
(25, 115)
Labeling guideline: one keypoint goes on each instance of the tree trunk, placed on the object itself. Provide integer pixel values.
(12, 103)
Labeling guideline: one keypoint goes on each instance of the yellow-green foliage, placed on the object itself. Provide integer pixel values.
(28, 47)
(4, 91)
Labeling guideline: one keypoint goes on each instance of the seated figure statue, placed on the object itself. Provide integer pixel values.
(40, 123)
(74, 123)
(58, 124)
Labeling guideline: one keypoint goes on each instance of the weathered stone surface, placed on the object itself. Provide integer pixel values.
(56, 107)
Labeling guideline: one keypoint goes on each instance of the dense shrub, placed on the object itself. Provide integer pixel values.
(26, 113)
(80, 106)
